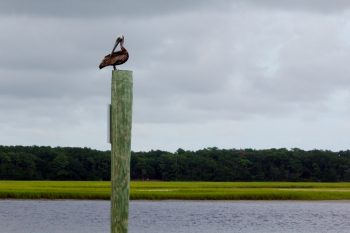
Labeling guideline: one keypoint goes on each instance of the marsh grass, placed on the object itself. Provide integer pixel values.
(156, 190)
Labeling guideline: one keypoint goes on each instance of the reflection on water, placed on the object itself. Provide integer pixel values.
(177, 216)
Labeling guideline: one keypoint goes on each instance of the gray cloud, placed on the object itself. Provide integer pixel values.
(322, 6)
(150, 8)
(216, 66)
(106, 8)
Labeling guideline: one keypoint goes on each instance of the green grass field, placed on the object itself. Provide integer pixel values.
(152, 190)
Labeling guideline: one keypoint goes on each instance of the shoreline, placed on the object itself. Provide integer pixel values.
(177, 200)
(191, 191)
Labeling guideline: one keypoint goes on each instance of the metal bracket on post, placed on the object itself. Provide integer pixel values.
(109, 123)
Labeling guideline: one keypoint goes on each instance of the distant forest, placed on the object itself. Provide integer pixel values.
(210, 164)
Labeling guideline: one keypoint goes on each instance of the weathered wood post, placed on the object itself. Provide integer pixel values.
(120, 137)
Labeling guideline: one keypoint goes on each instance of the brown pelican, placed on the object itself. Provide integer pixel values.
(116, 58)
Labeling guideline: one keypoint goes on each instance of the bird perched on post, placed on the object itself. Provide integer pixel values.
(116, 58)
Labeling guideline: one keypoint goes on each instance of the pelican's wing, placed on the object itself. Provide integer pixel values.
(106, 61)
(119, 58)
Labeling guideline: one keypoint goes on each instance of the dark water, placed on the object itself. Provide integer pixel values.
(177, 217)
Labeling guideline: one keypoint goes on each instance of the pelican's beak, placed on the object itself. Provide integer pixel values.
(115, 46)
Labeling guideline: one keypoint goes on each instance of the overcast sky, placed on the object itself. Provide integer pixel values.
(230, 74)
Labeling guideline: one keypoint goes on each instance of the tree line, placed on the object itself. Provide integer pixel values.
(210, 164)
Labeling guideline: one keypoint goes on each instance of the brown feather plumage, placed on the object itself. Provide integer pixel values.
(116, 58)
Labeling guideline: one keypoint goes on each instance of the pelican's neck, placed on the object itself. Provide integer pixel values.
(122, 45)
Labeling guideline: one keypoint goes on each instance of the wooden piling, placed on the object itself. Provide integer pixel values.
(120, 137)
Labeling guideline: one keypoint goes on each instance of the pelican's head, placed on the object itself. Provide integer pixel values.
(121, 39)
